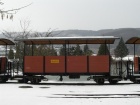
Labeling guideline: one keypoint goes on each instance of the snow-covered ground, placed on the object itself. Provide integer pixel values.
(67, 93)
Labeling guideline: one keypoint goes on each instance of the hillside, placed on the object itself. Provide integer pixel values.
(125, 33)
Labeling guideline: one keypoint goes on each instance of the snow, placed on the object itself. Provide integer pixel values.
(127, 58)
(54, 93)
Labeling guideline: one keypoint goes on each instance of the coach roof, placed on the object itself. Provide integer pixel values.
(70, 40)
(4, 41)
(133, 40)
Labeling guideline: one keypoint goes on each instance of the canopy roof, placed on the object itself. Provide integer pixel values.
(133, 40)
(4, 41)
(69, 40)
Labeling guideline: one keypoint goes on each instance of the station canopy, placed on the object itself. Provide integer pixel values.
(133, 40)
(4, 41)
(69, 40)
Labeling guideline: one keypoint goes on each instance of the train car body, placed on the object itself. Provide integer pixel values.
(5, 66)
(62, 65)
(136, 65)
(97, 67)
(134, 71)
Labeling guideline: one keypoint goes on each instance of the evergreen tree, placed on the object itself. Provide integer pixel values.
(51, 51)
(35, 50)
(78, 50)
(11, 54)
(121, 49)
(103, 50)
(28, 50)
(87, 51)
(44, 50)
(40, 51)
(72, 50)
(19, 51)
(62, 50)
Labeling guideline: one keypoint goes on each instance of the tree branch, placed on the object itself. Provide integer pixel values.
(9, 13)
(16, 9)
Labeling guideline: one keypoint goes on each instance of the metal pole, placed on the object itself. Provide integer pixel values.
(134, 56)
(109, 59)
(32, 50)
(65, 57)
(134, 50)
(6, 55)
(23, 61)
(68, 49)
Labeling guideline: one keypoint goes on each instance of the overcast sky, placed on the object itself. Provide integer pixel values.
(73, 14)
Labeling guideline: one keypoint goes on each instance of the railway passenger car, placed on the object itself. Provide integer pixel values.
(134, 71)
(96, 67)
(99, 67)
(5, 66)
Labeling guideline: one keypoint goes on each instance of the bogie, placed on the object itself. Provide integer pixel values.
(111, 81)
(99, 81)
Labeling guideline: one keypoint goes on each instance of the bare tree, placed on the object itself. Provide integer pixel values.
(49, 33)
(25, 31)
(45, 49)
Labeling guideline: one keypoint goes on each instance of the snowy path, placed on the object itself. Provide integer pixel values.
(124, 93)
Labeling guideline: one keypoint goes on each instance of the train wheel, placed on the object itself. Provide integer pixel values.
(3, 81)
(100, 81)
(21, 81)
(35, 81)
(26, 80)
(61, 78)
(113, 81)
(136, 81)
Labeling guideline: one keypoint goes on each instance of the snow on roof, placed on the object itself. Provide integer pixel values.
(70, 40)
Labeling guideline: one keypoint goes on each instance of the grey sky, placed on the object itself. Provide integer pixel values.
(74, 14)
